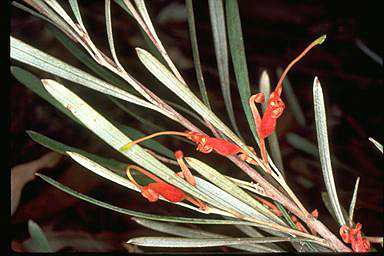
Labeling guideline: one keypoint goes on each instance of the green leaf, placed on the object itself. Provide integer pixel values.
(33, 83)
(353, 202)
(308, 147)
(146, 23)
(325, 159)
(153, 216)
(62, 149)
(194, 233)
(292, 100)
(36, 58)
(236, 44)
(76, 11)
(305, 246)
(101, 171)
(88, 61)
(116, 139)
(176, 242)
(216, 14)
(108, 23)
(328, 205)
(378, 145)
(184, 93)
(141, 214)
(195, 52)
(227, 185)
(149, 126)
(39, 240)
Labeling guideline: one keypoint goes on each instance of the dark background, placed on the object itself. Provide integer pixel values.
(274, 33)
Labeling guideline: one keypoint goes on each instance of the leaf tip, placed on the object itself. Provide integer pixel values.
(321, 39)
(316, 83)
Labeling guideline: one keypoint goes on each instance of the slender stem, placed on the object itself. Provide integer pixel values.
(318, 41)
(143, 171)
(131, 178)
(130, 144)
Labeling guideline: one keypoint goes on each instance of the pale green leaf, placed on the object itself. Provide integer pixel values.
(33, 83)
(325, 159)
(227, 185)
(84, 57)
(328, 205)
(216, 14)
(353, 202)
(176, 242)
(116, 139)
(39, 240)
(195, 233)
(62, 149)
(101, 171)
(292, 100)
(169, 80)
(147, 26)
(141, 214)
(76, 11)
(378, 145)
(36, 58)
(108, 23)
(153, 216)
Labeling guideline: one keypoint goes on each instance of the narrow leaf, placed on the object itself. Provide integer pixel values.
(149, 126)
(87, 60)
(227, 185)
(62, 149)
(373, 55)
(76, 11)
(166, 218)
(195, 52)
(176, 242)
(151, 32)
(116, 139)
(170, 81)
(308, 147)
(36, 58)
(216, 14)
(141, 214)
(325, 159)
(101, 171)
(108, 23)
(302, 143)
(230, 202)
(33, 83)
(292, 100)
(195, 233)
(236, 44)
(353, 202)
(378, 145)
(38, 237)
(328, 205)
